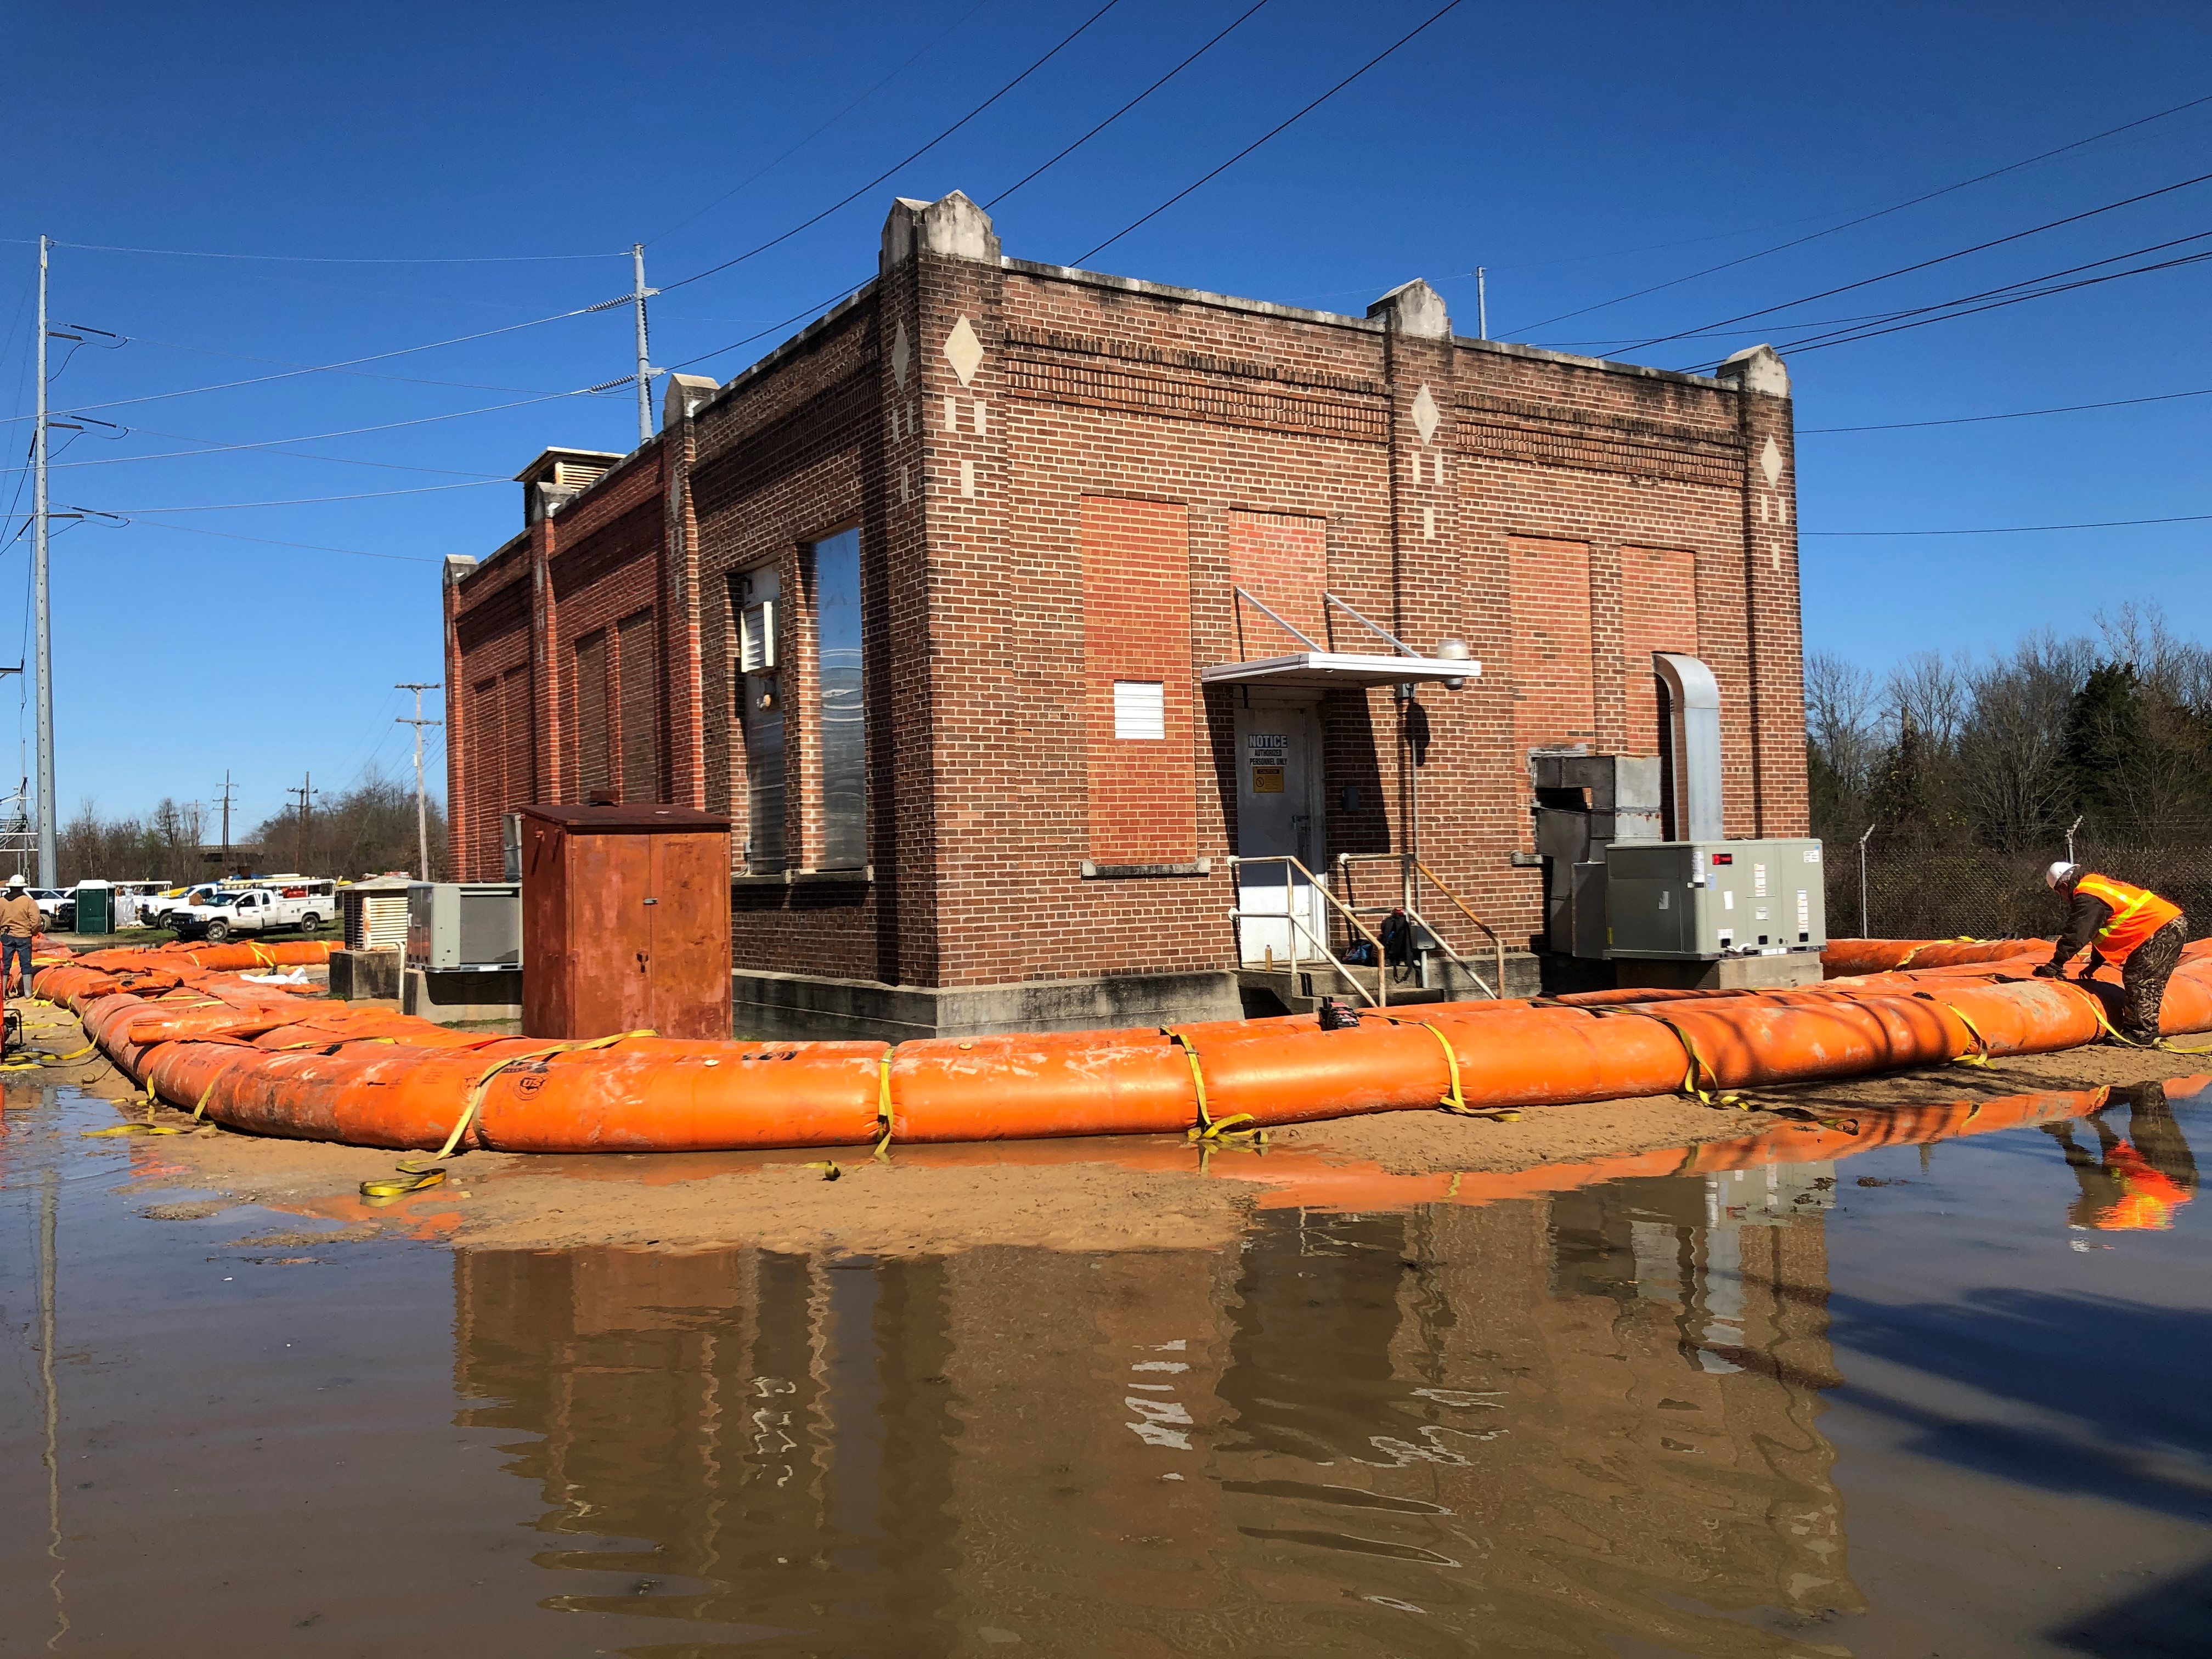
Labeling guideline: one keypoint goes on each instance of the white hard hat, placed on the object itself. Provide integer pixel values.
(15, 880)
(2060, 874)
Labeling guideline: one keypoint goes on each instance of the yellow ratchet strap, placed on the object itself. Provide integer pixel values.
(883, 1103)
(1979, 1054)
(1456, 1102)
(415, 1174)
(1715, 1097)
(2097, 1007)
(1206, 1129)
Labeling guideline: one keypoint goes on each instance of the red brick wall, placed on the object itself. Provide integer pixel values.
(1659, 612)
(1136, 626)
(1282, 560)
(1553, 685)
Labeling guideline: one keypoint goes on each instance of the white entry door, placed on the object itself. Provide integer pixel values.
(1278, 809)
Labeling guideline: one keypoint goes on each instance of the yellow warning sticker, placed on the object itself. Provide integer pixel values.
(1266, 779)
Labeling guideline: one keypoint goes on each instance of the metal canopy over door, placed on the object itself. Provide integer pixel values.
(1278, 811)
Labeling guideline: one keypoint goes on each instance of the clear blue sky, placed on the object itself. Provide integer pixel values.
(1579, 152)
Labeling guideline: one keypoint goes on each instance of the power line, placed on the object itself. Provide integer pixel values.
(772, 166)
(1435, 17)
(1857, 327)
(838, 298)
(2017, 529)
(2014, 415)
(344, 431)
(1980, 177)
(1068, 41)
(267, 540)
(1923, 265)
(1047, 166)
(326, 260)
(295, 371)
(1800, 349)
(303, 500)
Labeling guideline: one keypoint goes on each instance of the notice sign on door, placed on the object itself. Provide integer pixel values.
(1267, 753)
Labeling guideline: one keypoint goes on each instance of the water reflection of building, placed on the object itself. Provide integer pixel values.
(1535, 1423)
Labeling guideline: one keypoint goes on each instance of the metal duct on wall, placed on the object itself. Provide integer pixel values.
(1693, 729)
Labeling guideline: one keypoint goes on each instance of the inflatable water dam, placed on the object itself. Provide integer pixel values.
(212, 1031)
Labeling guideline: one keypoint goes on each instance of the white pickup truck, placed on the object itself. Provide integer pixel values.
(255, 910)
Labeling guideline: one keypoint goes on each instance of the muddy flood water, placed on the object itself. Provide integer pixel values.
(1927, 1400)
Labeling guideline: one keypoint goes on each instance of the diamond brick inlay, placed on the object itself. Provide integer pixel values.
(1769, 462)
(1424, 414)
(902, 354)
(963, 351)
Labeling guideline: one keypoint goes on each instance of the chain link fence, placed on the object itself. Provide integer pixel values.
(1924, 889)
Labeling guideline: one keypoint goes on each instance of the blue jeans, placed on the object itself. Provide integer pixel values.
(13, 950)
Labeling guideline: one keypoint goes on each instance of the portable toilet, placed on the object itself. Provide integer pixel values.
(95, 908)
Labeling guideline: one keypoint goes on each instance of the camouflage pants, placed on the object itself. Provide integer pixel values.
(2143, 977)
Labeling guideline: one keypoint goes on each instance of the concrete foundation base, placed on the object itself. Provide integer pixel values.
(461, 997)
(360, 976)
(1728, 973)
(799, 1006)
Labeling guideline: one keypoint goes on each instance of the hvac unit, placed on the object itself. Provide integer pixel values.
(373, 915)
(472, 925)
(1699, 900)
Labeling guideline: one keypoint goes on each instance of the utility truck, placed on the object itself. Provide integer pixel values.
(252, 910)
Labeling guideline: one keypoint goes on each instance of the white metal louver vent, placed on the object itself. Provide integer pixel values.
(756, 638)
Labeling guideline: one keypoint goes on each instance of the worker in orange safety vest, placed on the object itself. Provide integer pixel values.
(2131, 928)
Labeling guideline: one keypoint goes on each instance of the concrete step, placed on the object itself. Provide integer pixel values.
(1281, 992)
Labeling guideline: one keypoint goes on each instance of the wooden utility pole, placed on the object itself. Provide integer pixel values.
(418, 687)
(306, 792)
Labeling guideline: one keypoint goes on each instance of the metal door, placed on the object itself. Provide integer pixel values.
(1278, 811)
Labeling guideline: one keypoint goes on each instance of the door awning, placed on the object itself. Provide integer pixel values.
(1340, 670)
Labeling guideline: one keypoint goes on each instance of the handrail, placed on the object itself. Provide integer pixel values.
(1411, 864)
(1238, 915)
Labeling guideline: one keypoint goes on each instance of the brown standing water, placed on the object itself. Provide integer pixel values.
(1943, 1400)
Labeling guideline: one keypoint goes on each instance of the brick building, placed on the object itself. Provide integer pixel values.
(999, 605)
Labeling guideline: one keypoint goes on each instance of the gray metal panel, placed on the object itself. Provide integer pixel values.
(1704, 900)
(1693, 703)
(464, 924)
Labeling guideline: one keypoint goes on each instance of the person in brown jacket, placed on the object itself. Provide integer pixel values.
(20, 921)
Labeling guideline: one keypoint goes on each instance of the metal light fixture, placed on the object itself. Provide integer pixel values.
(1454, 650)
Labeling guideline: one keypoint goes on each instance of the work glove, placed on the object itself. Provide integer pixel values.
(2051, 971)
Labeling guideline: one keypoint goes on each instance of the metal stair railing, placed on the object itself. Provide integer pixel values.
(1379, 998)
(1412, 872)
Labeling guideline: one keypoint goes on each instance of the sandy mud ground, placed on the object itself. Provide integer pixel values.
(1152, 1192)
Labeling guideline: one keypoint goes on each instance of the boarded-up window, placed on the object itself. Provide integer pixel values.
(1553, 688)
(595, 745)
(1282, 560)
(640, 727)
(1136, 631)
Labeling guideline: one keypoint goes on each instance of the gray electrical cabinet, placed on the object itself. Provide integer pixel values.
(1704, 900)
(464, 924)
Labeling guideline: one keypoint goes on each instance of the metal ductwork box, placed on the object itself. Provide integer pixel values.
(464, 925)
(1584, 803)
(1702, 901)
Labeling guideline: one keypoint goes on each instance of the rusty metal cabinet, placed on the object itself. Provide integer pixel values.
(625, 921)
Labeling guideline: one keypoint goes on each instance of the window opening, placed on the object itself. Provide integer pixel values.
(840, 683)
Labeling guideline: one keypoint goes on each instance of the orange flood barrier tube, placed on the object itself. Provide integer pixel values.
(273, 1059)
